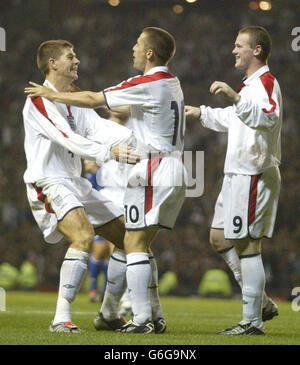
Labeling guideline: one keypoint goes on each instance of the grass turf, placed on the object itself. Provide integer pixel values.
(191, 321)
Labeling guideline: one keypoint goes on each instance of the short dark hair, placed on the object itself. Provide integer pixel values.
(259, 36)
(161, 42)
(50, 49)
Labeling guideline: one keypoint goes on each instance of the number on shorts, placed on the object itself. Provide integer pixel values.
(237, 222)
(178, 125)
(132, 213)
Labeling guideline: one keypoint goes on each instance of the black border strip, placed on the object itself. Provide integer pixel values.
(247, 256)
(226, 249)
(59, 220)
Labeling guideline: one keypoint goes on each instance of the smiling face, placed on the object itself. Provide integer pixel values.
(139, 53)
(244, 54)
(66, 65)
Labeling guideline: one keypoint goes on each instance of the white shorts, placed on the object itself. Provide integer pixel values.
(52, 199)
(247, 205)
(155, 193)
(113, 176)
(115, 194)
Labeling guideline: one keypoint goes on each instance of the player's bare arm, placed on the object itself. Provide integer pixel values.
(192, 112)
(83, 99)
(219, 87)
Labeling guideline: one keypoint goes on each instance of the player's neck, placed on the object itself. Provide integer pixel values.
(150, 65)
(61, 84)
(254, 67)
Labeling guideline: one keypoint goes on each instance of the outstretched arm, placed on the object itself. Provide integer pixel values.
(83, 99)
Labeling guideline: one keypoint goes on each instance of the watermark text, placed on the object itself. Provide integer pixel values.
(296, 41)
(2, 39)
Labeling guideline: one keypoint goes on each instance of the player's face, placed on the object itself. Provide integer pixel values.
(67, 64)
(139, 53)
(243, 52)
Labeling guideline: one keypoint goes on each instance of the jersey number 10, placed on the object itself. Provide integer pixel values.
(179, 121)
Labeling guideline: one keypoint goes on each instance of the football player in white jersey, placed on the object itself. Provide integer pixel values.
(246, 208)
(63, 203)
(156, 188)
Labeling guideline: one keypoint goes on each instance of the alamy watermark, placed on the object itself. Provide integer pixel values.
(189, 174)
(295, 301)
(296, 41)
(2, 39)
(2, 300)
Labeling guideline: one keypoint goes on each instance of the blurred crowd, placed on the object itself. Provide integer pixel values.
(103, 37)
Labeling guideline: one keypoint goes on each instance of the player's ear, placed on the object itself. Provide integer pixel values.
(150, 54)
(52, 64)
(257, 50)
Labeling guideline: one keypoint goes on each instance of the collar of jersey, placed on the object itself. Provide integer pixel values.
(48, 83)
(257, 74)
(157, 69)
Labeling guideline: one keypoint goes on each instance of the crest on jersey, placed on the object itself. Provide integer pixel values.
(57, 200)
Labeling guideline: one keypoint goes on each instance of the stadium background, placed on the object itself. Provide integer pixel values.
(103, 36)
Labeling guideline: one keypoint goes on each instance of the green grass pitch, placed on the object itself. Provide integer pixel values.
(191, 321)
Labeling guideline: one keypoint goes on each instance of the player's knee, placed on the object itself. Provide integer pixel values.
(84, 240)
(215, 240)
(247, 247)
(114, 232)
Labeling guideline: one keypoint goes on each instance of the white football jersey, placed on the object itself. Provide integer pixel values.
(157, 108)
(58, 136)
(253, 125)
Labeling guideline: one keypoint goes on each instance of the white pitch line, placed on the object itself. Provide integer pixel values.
(45, 312)
(95, 312)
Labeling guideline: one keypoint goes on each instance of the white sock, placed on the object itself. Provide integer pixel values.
(264, 299)
(126, 296)
(72, 273)
(138, 278)
(116, 284)
(232, 260)
(153, 290)
(253, 287)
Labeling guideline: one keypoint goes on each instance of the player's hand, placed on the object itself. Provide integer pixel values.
(124, 154)
(90, 167)
(219, 87)
(38, 90)
(192, 112)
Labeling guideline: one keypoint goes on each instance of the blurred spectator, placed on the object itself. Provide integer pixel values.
(102, 36)
(215, 284)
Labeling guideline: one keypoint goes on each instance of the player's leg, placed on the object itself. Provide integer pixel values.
(217, 238)
(125, 309)
(108, 316)
(137, 245)
(249, 218)
(98, 263)
(159, 322)
(80, 234)
(227, 250)
(253, 284)
(157, 203)
(253, 275)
